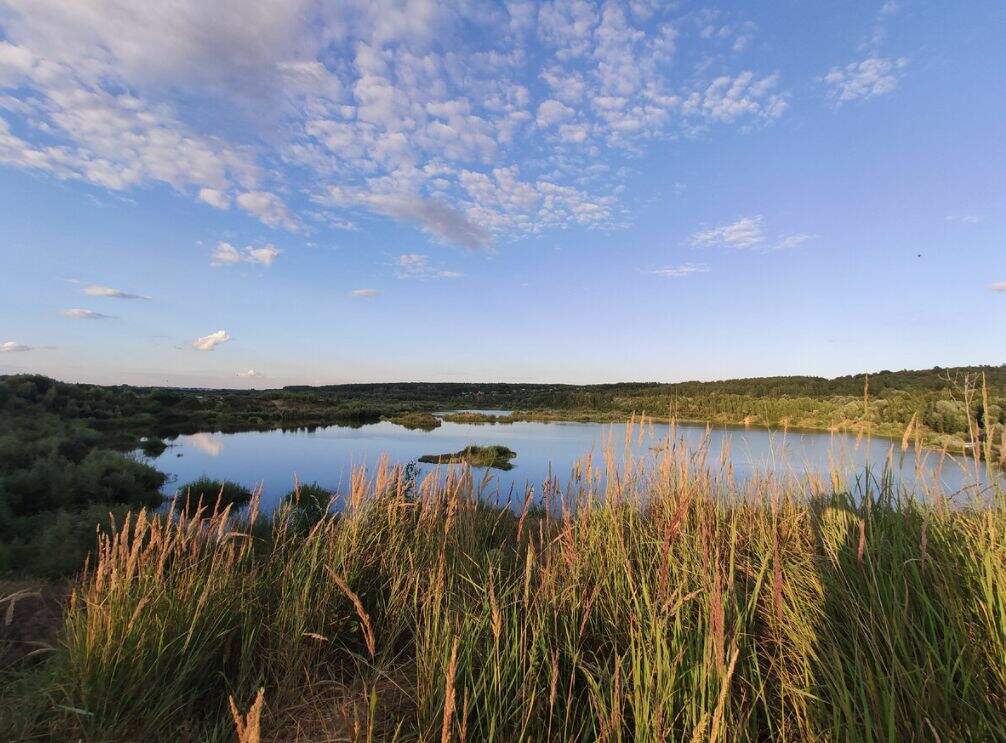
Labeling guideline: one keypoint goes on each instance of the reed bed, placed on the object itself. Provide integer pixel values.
(655, 600)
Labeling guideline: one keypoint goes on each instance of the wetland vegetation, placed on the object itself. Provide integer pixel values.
(416, 421)
(660, 602)
(667, 605)
(63, 447)
(495, 456)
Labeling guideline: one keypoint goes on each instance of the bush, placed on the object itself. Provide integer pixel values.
(309, 503)
(106, 476)
(61, 544)
(152, 446)
(416, 421)
(213, 495)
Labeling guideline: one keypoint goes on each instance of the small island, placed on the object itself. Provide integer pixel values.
(476, 418)
(495, 456)
(421, 421)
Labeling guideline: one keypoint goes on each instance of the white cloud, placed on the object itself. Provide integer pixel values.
(95, 290)
(13, 347)
(746, 232)
(211, 341)
(80, 314)
(269, 208)
(434, 216)
(565, 85)
(685, 269)
(963, 218)
(417, 266)
(225, 254)
(552, 112)
(215, 198)
(872, 77)
(264, 255)
(787, 242)
(114, 140)
(364, 293)
(727, 99)
(390, 103)
(250, 374)
(999, 286)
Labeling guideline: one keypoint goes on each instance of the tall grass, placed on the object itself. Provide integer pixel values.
(657, 601)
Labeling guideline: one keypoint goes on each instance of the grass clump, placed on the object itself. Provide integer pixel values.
(416, 421)
(309, 502)
(495, 456)
(212, 495)
(662, 601)
(476, 418)
(153, 446)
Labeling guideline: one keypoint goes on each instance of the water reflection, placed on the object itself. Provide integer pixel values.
(273, 459)
(207, 443)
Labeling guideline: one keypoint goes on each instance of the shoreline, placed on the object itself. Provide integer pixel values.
(925, 441)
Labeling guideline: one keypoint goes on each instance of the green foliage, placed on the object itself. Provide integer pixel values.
(309, 502)
(475, 456)
(63, 539)
(152, 446)
(211, 495)
(420, 421)
(54, 469)
(475, 418)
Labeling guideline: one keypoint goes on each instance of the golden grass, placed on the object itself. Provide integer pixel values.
(651, 601)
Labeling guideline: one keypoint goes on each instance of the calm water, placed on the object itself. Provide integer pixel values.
(272, 459)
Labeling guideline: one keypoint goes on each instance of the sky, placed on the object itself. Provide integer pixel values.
(236, 194)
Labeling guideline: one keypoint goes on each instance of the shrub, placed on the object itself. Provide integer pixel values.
(65, 539)
(153, 446)
(309, 503)
(212, 495)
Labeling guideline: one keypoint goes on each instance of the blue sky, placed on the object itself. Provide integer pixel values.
(218, 194)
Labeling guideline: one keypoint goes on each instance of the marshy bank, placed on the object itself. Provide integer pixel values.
(494, 456)
(671, 602)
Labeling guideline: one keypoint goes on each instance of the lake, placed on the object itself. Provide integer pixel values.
(272, 459)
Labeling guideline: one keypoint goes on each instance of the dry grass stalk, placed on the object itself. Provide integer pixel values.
(449, 694)
(367, 628)
(249, 726)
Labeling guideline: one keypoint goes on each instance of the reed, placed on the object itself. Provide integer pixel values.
(657, 601)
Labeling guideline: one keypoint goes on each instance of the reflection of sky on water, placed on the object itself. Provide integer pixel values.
(207, 443)
(273, 459)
